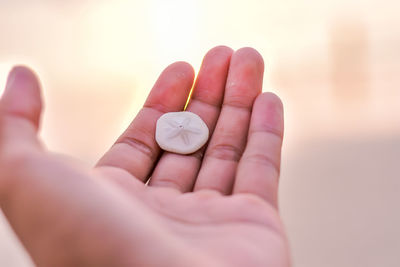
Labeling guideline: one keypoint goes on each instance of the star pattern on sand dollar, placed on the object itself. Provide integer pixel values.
(182, 130)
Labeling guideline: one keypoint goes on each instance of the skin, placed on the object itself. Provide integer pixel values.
(216, 207)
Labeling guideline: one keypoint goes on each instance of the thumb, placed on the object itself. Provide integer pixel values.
(22, 97)
(20, 110)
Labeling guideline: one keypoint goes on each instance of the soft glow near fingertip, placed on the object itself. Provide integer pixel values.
(174, 27)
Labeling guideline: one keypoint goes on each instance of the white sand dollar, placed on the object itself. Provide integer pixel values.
(181, 132)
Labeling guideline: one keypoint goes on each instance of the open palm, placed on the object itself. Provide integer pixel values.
(143, 207)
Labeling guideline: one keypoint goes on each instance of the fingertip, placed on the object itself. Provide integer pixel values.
(211, 80)
(220, 50)
(245, 78)
(23, 71)
(181, 69)
(268, 113)
(22, 95)
(172, 87)
(217, 58)
(251, 55)
(270, 99)
(21, 74)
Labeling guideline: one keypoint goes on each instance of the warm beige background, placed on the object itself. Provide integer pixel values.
(336, 64)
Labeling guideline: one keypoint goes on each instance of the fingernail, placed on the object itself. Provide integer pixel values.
(10, 79)
(18, 76)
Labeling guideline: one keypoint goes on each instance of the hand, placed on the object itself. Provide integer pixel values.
(216, 209)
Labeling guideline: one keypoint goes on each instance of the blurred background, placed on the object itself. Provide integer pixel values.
(335, 63)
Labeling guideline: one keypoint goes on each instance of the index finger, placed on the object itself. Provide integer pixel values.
(136, 150)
